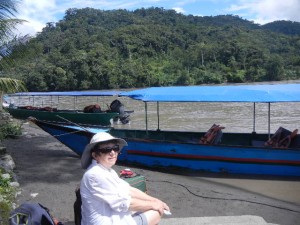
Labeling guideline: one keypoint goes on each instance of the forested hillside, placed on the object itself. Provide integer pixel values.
(285, 27)
(96, 49)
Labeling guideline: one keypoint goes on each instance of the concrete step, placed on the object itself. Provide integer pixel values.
(220, 220)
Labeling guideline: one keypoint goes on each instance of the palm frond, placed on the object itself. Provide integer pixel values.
(9, 85)
(7, 28)
(8, 8)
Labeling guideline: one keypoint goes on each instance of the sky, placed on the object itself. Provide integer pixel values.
(38, 13)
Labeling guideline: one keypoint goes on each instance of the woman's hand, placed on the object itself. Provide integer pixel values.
(160, 206)
(142, 202)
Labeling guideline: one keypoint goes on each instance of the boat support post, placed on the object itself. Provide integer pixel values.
(75, 101)
(157, 111)
(254, 118)
(269, 119)
(146, 117)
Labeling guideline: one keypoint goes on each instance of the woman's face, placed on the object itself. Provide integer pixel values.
(109, 158)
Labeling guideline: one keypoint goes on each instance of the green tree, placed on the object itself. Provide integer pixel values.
(274, 68)
(97, 49)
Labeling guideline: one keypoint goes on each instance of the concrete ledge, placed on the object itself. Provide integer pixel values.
(221, 220)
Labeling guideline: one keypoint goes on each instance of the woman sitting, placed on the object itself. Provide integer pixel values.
(108, 199)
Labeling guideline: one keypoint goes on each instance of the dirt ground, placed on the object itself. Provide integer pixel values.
(49, 172)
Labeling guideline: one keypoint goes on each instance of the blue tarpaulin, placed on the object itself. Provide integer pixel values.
(234, 93)
(228, 93)
(69, 93)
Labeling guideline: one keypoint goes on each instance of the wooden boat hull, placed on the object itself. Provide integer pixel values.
(220, 159)
(158, 151)
(101, 119)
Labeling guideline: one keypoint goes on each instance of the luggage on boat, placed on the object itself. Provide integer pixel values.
(213, 135)
(92, 109)
(282, 138)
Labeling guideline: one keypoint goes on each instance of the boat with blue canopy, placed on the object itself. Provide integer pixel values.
(214, 150)
(91, 114)
(267, 93)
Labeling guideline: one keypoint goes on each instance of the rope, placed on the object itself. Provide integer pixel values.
(58, 135)
(230, 199)
(73, 132)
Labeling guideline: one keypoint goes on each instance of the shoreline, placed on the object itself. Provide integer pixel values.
(49, 172)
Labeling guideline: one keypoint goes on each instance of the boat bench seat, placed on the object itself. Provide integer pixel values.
(256, 143)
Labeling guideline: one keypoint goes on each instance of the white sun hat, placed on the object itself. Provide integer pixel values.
(86, 157)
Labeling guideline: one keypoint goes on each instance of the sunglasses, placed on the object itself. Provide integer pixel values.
(106, 150)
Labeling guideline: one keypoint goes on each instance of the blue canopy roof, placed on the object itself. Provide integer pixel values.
(228, 93)
(234, 93)
(69, 93)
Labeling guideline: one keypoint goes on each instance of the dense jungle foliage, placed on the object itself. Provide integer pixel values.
(97, 49)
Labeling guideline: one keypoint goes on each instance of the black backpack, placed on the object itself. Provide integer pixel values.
(77, 207)
(31, 214)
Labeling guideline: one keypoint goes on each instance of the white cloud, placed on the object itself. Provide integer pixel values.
(37, 13)
(40, 12)
(29, 28)
(264, 11)
(179, 10)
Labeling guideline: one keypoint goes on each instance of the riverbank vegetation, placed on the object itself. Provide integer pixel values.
(97, 49)
(10, 129)
(7, 196)
(7, 189)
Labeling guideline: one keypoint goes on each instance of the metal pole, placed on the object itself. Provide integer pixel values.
(269, 119)
(146, 118)
(254, 117)
(157, 110)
